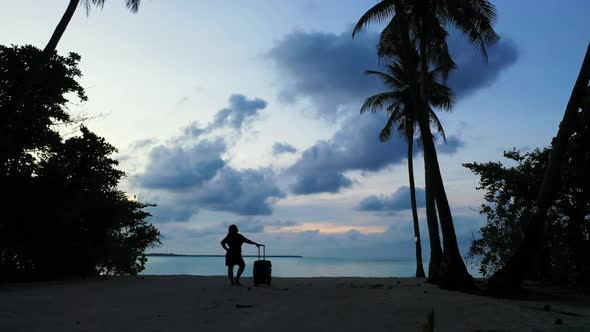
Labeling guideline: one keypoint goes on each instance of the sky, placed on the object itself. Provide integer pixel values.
(247, 113)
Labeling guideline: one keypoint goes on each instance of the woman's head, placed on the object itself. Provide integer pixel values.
(233, 229)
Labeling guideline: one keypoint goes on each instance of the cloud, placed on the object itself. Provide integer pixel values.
(328, 68)
(355, 146)
(320, 182)
(181, 101)
(140, 144)
(179, 168)
(278, 224)
(219, 229)
(194, 130)
(190, 173)
(395, 241)
(281, 148)
(452, 145)
(241, 111)
(249, 226)
(397, 201)
(473, 73)
(244, 192)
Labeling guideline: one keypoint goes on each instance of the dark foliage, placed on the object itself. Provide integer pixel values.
(510, 196)
(62, 212)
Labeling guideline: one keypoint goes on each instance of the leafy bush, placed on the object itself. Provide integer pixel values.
(63, 214)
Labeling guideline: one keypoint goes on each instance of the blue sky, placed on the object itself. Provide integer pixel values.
(247, 112)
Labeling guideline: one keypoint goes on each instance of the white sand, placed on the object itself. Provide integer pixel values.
(189, 303)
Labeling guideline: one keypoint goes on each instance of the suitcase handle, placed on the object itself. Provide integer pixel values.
(263, 252)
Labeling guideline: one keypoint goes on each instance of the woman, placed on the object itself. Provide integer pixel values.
(233, 256)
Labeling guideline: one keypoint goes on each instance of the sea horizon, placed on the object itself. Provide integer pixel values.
(289, 266)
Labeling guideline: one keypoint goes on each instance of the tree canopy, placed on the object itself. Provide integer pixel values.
(64, 214)
(510, 193)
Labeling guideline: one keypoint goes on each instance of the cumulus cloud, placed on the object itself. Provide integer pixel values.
(244, 192)
(452, 145)
(190, 173)
(327, 69)
(240, 112)
(355, 146)
(318, 181)
(177, 167)
(397, 201)
(473, 74)
(279, 148)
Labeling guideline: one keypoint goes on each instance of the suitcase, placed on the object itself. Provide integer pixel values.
(262, 269)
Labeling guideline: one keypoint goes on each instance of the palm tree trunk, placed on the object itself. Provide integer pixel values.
(431, 218)
(453, 272)
(433, 234)
(419, 265)
(61, 28)
(509, 278)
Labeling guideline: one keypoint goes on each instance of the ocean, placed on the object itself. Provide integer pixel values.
(288, 267)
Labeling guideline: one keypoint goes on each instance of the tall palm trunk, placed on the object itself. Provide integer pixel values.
(61, 28)
(419, 265)
(431, 218)
(433, 235)
(453, 272)
(509, 278)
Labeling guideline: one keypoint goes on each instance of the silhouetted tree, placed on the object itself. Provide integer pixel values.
(24, 88)
(51, 46)
(509, 278)
(63, 214)
(403, 80)
(510, 193)
(426, 21)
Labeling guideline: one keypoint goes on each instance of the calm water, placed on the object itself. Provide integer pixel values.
(287, 267)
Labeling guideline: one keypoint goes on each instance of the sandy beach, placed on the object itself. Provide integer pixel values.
(193, 303)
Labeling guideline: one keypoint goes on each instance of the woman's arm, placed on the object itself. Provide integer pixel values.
(250, 242)
(224, 244)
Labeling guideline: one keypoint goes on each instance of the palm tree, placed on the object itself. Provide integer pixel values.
(49, 50)
(133, 5)
(403, 80)
(426, 22)
(509, 278)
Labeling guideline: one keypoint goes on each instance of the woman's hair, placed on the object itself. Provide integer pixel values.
(233, 229)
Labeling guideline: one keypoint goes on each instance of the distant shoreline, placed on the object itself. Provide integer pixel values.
(183, 255)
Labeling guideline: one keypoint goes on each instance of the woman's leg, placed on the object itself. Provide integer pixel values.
(230, 274)
(241, 267)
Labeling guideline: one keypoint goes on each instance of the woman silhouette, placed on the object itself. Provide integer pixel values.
(232, 244)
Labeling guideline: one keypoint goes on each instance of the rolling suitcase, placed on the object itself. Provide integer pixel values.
(262, 269)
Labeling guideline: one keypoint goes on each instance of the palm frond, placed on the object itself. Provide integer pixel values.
(434, 120)
(386, 132)
(389, 80)
(440, 96)
(375, 102)
(475, 18)
(377, 14)
(133, 5)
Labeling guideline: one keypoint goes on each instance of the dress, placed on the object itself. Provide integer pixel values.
(233, 256)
